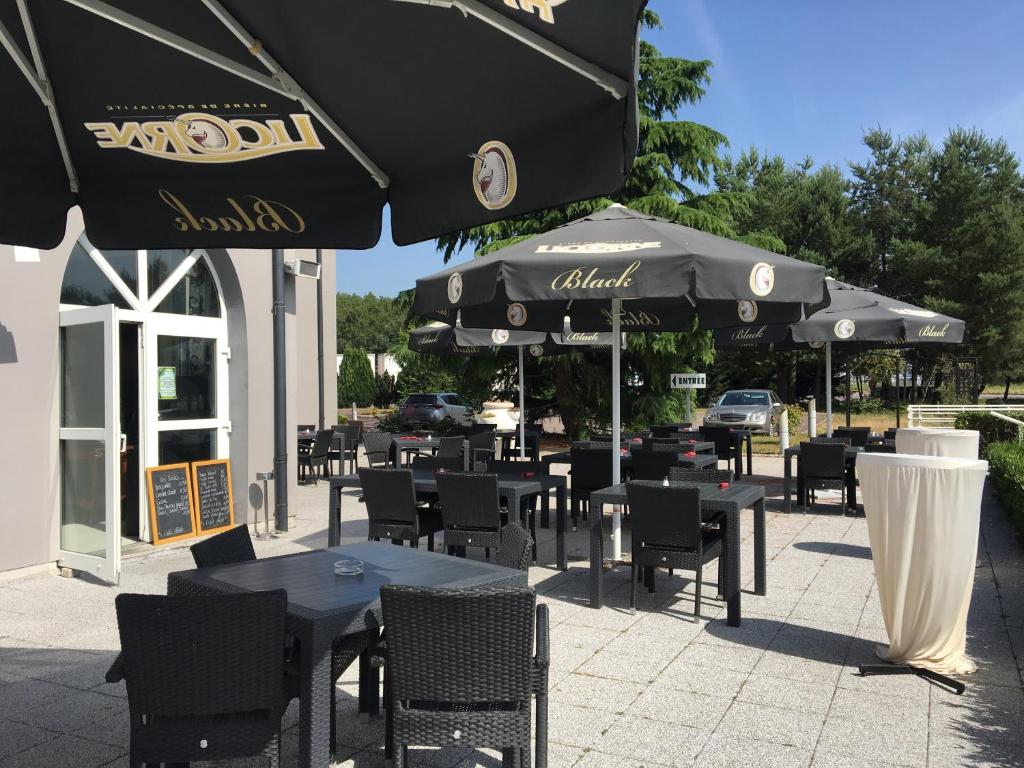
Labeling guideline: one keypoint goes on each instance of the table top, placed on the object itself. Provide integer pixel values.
(740, 494)
(852, 451)
(425, 481)
(315, 591)
(415, 441)
(562, 457)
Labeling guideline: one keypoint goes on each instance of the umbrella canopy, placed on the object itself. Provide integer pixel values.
(439, 338)
(855, 316)
(252, 123)
(664, 274)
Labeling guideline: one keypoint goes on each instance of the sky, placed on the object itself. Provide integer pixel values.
(806, 78)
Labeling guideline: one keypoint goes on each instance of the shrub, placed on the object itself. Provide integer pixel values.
(797, 419)
(386, 393)
(992, 429)
(388, 422)
(867, 405)
(355, 379)
(1006, 466)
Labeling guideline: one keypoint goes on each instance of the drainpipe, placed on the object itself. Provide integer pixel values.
(280, 396)
(320, 337)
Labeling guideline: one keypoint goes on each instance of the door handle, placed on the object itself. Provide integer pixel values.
(124, 443)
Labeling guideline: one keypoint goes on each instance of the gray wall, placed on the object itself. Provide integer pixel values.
(29, 393)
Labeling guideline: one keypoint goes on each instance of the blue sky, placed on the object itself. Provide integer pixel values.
(807, 78)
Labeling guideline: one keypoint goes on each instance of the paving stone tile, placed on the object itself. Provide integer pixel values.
(664, 703)
(596, 692)
(827, 757)
(652, 741)
(732, 658)
(17, 737)
(603, 618)
(577, 726)
(892, 743)
(623, 666)
(594, 759)
(790, 667)
(765, 723)
(66, 752)
(711, 681)
(810, 698)
(730, 751)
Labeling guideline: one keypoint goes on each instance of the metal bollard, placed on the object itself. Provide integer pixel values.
(266, 535)
(783, 431)
(812, 419)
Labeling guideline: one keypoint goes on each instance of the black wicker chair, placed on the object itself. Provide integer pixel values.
(313, 458)
(461, 670)
(693, 475)
(858, 435)
(665, 430)
(591, 470)
(470, 511)
(450, 447)
(668, 533)
(835, 440)
(725, 446)
(654, 464)
(515, 548)
(377, 447)
(823, 465)
(481, 444)
(522, 468)
(231, 546)
(346, 446)
(531, 445)
(437, 462)
(204, 676)
(889, 434)
(390, 497)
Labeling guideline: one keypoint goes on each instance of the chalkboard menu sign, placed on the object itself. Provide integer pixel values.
(215, 507)
(170, 503)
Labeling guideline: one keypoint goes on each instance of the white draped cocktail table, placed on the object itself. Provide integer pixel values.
(923, 514)
(957, 443)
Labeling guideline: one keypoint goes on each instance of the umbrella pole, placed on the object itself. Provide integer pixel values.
(522, 407)
(828, 389)
(897, 390)
(616, 424)
(848, 390)
(280, 397)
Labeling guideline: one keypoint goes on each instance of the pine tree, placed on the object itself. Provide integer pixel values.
(356, 383)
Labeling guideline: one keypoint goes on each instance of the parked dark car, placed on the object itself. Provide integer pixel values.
(431, 408)
(754, 409)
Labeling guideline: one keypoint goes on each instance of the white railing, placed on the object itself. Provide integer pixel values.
(1017, 422)
(945, 415)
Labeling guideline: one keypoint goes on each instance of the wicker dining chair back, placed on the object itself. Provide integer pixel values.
(591, 469)
(231, 546)
(515, 547)
(725, 448)
(202, 656)
(377, 446)
(889, 434)
(322, 444)
(694, 475)
(390, 497)
(450, 447)
(461, 669)
(470, 509)
(664, 430)
(858, 435)
(654, 464)
(835, 440)
(823, 465)
(481, 441)
(476, 429)
(650, 442)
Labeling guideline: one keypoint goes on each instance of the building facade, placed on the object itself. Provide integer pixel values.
(112, 362)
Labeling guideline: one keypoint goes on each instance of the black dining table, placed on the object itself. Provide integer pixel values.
(515, 489)
(407, 443)
(324, 608)
(704, 457)
(787, 482)
(717, 504)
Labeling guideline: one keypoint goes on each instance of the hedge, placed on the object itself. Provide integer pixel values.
(993, 430)
(1006, 467)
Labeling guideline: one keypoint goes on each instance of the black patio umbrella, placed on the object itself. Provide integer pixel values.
(856, 318)
(439, 338)
(620, 269)
(260, 124)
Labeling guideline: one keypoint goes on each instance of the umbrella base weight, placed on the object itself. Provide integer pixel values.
(869, 670)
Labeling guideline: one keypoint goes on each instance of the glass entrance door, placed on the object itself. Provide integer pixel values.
(90, 450)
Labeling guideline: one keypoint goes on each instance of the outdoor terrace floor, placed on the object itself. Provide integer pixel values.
(651, 689)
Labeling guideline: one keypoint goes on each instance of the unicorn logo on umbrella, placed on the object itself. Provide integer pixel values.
(494, 175)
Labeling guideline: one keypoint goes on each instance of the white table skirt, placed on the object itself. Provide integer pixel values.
(923, 514)
(957, 443)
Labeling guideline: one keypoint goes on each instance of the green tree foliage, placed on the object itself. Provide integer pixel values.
(356, 383)
(371, 322)
(675, 164)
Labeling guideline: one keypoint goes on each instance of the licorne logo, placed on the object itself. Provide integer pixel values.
(747, 310)
(602, 247)
(845, 328)
(200, 137)
(517, 314)
(545, 8)
(536, 350)
(494, 175)
(499, 336)
(762, 278)
(455, 288)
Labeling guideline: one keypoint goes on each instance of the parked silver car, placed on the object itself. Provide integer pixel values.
(430, 409)
(754, 409)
